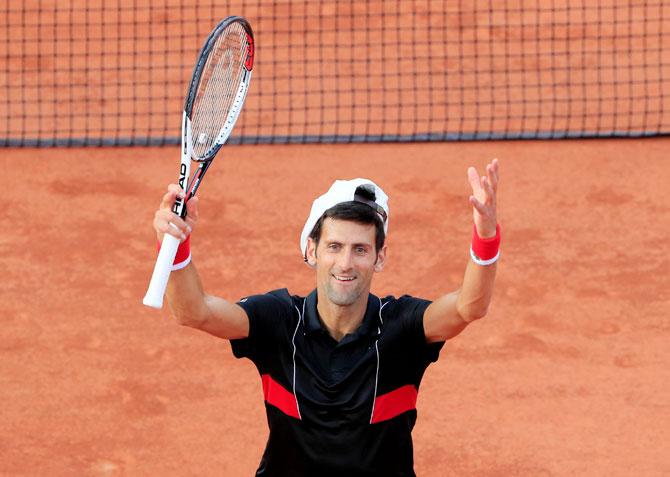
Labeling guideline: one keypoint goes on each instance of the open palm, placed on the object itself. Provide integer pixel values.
(483, 198)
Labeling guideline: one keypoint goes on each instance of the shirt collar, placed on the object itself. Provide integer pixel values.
(369, 326)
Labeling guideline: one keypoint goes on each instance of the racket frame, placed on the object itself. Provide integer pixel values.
(188, 154)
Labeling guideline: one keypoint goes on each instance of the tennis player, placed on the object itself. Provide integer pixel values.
(340, 368)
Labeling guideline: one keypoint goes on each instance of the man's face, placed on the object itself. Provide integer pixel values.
(345, 260)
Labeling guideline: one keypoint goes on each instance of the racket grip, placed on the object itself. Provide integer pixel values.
(162, 269)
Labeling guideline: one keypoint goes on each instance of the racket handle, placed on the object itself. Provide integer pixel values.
(159, 279)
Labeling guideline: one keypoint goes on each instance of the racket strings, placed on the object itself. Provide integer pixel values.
(219, 83)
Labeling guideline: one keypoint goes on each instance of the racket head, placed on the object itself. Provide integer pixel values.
(218, 87)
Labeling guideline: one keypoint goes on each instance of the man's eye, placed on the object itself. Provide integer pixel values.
(360, 250)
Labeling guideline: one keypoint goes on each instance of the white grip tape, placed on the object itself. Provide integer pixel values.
(159, 279)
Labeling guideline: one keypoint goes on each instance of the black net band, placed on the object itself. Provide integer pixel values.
(116, 73)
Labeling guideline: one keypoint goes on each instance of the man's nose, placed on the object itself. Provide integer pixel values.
(345, 259)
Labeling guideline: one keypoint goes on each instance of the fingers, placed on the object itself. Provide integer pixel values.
(492, 171)
(483, 198)
(473, 178)
(488, 189)
(167, 222)
(484, 216)
(168, 200)
(488, 183)
(192, 212)
(481, 208)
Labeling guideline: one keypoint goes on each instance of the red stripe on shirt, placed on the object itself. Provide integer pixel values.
(394, 403)
(275, 394)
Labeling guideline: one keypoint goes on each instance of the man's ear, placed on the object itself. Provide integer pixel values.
(381, 259)
(311, 252)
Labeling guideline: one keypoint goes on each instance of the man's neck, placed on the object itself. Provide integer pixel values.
(341, 320)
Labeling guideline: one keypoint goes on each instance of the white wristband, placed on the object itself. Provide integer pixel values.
(481, 262)
(180, 265)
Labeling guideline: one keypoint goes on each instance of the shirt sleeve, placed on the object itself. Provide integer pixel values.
(411, 311)
(268, 315)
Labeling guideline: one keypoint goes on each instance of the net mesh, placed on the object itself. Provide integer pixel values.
(115, 72)
(217, 88)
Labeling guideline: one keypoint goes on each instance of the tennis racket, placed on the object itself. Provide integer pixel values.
(213, 103)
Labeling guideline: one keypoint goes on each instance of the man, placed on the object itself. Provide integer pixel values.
(340, 368)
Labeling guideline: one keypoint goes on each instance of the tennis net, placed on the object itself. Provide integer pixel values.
(115, 72)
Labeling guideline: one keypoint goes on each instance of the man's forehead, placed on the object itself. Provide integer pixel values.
(347, 231)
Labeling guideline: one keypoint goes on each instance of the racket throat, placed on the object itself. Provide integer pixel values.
(197, 180)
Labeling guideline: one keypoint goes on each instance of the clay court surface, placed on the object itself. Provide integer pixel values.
(567, 375)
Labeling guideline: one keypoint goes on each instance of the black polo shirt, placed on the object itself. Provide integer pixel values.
(337, 408)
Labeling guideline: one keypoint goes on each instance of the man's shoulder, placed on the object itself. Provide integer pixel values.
(391, 305)
(279, 298)
(403, 310)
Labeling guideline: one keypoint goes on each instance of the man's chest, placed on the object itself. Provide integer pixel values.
(335, 383)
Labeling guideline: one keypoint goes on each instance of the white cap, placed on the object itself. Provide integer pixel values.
(345, 191)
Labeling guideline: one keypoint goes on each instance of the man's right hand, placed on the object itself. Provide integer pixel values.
(166, 221)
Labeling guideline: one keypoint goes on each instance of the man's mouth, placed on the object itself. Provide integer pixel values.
(342, 278)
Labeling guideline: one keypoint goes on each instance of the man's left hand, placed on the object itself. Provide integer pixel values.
(483, 199)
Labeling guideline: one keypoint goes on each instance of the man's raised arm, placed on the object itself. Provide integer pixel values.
(447, 316)
(187, 300)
